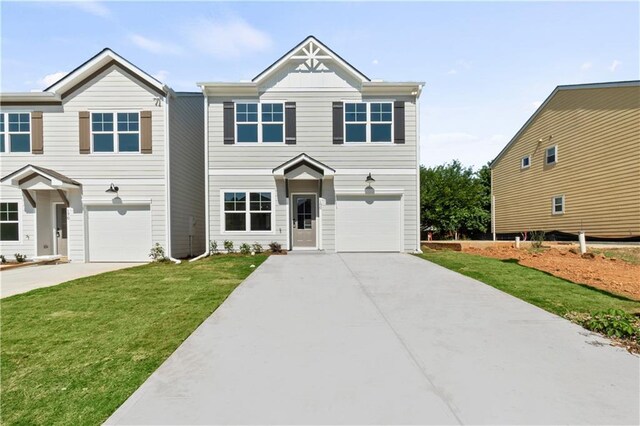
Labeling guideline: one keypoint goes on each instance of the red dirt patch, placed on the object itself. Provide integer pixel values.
(613, 275)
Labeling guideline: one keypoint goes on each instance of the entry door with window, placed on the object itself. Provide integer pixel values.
(304, 221)
(61, 230)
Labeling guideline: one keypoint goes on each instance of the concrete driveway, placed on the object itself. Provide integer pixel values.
(384, 339)
(21, 280)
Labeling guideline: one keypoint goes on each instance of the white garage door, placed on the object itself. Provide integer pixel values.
(368, 223)
(119, 233)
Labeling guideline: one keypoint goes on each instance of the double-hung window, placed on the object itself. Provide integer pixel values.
(9, 225)
(558, 204)
(15, 132)
(259, 122)
(368, 122)
(121, 135)
(248, 211)
(551, 155)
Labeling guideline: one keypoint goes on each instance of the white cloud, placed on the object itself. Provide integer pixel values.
(161, 75)
(92, 7)
(614, 65)
(464, 64)
(536, 104)
(154, 46)
(49, 79)
(230, 39)
(586, 66)
(374, 62)
(452, 71)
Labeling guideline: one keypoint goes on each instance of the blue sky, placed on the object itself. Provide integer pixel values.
(487, 66)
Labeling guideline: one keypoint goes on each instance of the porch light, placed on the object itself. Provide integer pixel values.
(369, 179)
(112, 189)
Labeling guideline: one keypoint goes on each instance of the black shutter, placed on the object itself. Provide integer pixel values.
(290, 123)
(398, 122)
(229, 125)
(338, 121)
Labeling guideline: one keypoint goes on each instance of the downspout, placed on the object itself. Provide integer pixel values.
(206, 182)
(493, 209)
(167, 170)
(418, 248)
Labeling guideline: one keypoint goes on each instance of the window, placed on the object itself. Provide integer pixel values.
(525, 162)
(121, 136)
(558, 205)
(368, 122)
(254, 215)
(15, 132)
(260, 122)
(551, 155)
(9, 225)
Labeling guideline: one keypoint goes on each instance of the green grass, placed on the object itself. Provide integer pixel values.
(73, 353)
(536, 287)
(629, 254)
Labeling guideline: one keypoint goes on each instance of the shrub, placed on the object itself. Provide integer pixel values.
(20, 257)
(228, 246)
(157, 253)
(257, 248)
(614, 323)
(245, 248)
(275, 247)
(537, 238)
(213, 247)
(2, 259)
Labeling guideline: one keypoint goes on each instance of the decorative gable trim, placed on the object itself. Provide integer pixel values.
(310, 55)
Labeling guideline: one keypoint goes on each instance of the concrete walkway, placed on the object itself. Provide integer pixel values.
(21, 280)
(384, 339)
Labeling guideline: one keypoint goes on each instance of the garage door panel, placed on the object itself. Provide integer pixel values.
(368, 223)
(119, 233)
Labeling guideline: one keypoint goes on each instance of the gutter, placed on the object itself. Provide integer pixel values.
(206, 181)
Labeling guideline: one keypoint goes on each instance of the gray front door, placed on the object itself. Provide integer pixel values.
(61, 229)
(304, 221)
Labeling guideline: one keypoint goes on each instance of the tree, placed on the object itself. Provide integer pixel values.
(453, 199)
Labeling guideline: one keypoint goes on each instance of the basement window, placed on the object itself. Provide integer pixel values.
(525, 162)
(558, 204)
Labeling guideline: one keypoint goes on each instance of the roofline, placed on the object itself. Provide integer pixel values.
(29, 98)
(297, 46)
(603, 85)
(303, 157)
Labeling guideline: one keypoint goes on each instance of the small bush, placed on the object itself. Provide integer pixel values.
(157, 253)
(257, 248)
(228, 246)
(2, 259)
(20, 257)
(275, 247)
(614, 323)
(213, 247)
(245, 248)
(537, 238)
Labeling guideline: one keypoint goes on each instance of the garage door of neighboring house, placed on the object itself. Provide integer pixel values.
(119, 233)
(368, 223)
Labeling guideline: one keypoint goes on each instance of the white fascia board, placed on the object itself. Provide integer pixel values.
(29, 97)
(392, 88)
(229, 89)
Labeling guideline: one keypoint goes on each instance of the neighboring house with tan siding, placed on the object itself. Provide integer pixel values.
(105, 124)
(314, 155)
(574, 166)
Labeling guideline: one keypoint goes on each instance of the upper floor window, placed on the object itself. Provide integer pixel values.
(121, 135)
(551, 155)
(525, 162)
(368, 122)
(259, 122)
(9, 225)
(15, 132)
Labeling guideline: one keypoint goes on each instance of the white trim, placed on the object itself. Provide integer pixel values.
(555, 155)
(290, 224)
(7, 134)
(167, 177)
(207, 195)
(258, 123)
(367, 123)
(279, 171)
(54, 225)
(553, 205)
(522, 166)
(117, 182)
(123, 202)
(269, 172)
(361, 191)
(248, 212)
(417, 172)
(20, 203)
(115, 132)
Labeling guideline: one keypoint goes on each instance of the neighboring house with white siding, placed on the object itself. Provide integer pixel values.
(64, 151)
(313, 154)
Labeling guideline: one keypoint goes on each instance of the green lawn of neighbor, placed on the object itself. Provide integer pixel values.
(73, 353)
(539, 288)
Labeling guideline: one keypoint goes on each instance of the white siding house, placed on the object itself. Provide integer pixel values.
(314, 155)
(107, 124)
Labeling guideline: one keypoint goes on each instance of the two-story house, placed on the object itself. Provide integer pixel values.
(101, 166)
(312, 154)
(574, 166)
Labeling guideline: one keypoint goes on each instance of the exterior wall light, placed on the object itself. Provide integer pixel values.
(112, 189)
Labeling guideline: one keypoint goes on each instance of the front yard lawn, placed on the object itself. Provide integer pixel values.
(73, 353)
(536, 287)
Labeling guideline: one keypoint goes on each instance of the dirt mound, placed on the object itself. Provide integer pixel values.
(596, 270)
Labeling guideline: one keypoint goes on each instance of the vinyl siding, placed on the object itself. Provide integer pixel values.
(139, 176)
(597, 131)
(187, 179)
